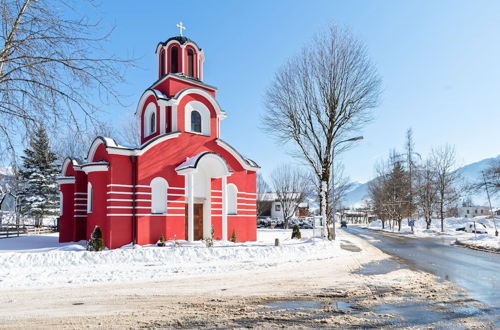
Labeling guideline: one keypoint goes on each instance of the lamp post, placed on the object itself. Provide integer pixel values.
(357, 138)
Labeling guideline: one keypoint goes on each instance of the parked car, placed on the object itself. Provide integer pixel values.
(474, 227)
(343, 224)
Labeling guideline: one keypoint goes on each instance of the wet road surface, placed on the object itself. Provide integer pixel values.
(476, 271)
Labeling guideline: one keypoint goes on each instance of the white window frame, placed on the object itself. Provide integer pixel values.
(159, 195)
(150, 110)
(232, 199)
(204, 114)
(90, 194)
(61, 201)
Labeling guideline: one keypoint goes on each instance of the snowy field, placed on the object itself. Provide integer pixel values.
(40, 261)
(487, 241)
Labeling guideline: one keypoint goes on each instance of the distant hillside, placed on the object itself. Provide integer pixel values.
(358, 192)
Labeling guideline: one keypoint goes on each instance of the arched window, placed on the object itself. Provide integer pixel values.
(89, 197)
(150, 119)
(159, 188)
(61, 201)
(174, 59)
(195, 121)
(232, 199)
(162, 62)
(190, 62)
(152, 123)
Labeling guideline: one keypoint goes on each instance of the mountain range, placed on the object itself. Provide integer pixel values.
(357, 193)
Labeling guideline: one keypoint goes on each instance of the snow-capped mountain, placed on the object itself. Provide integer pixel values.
(357, 192)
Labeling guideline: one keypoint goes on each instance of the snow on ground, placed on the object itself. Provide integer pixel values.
(487, 241)
(33, 261)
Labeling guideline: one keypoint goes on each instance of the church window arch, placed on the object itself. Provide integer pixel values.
(150, 119)
(195, 121)
(232, 199)
(174, 59)
(190, 60)
(197, 118)
(159, 188)
(90, 194)
(152, 123)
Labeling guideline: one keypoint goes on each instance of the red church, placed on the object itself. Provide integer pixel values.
(183, 178)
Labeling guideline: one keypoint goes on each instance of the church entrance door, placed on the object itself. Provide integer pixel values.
(197, 221)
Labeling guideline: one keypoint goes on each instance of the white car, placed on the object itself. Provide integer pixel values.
(475, 227)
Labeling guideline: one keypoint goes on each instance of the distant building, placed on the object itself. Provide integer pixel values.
(473, 211)
(271, 206)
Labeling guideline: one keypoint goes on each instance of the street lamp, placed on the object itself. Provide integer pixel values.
(357, 138)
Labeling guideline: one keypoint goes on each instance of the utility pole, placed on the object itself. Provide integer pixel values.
(489, 201)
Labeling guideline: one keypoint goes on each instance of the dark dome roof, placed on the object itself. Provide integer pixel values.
(181, 39)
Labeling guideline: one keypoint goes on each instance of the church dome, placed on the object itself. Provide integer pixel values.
(181, 56)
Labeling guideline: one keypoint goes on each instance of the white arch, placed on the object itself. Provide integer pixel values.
(204, 113)
(150, 111)
(232, 199)
(159, 194)
(178, 97)
(66, 163)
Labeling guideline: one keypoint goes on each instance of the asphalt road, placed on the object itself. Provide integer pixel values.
(476, 271)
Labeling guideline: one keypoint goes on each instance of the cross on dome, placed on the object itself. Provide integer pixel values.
(181, 27)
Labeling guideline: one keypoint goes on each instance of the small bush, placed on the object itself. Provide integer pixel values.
(296, 232)
(233, 236)
(161, 241)
(96, 243)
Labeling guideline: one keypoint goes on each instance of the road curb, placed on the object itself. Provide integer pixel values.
(478, 248)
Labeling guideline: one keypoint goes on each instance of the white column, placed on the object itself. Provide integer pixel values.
(190, 193)
(224, 208)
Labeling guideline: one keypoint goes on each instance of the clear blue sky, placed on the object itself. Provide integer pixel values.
(439, 60)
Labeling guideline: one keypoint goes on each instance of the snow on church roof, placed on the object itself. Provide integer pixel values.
(181, 39)
(190, 162)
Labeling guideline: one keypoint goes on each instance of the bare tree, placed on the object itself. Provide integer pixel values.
(490, 179)
(321, 97)
(51, 67)
(426, 197)
(76, 143)
(410, 166)
(263, 190)
(130, 132)
(291, 186)
(447, 177)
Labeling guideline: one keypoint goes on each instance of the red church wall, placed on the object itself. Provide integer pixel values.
(67, 220)
(100, 154)
(97, 217)
(80, 198)
(173, 85)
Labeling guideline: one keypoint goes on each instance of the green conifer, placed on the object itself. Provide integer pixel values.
(39, 193)
(296, 232)
(96, 242)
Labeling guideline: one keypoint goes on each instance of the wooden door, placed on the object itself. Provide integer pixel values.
(197, 221)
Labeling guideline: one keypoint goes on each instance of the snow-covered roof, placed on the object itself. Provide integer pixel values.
(272, 196)
(191, 162)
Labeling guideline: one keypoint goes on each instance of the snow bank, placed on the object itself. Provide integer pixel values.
(40, 261)
(487, 241)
